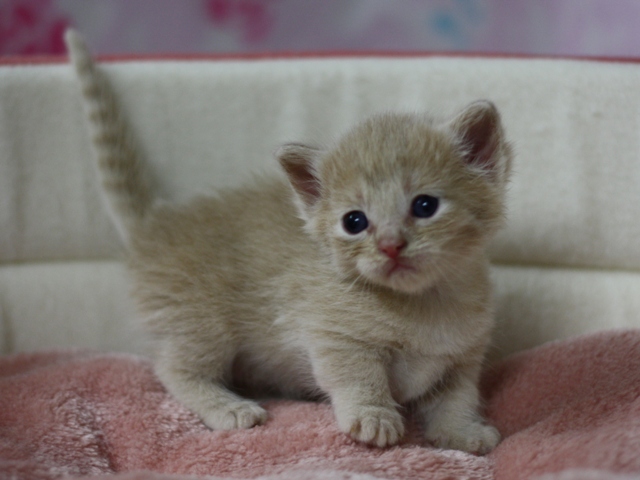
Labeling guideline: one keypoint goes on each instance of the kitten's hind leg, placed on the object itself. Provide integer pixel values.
(201, 388)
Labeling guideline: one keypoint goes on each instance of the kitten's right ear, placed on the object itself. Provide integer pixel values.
(479, 130)
(299, 163)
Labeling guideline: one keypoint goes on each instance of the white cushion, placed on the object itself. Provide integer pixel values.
(567, 262)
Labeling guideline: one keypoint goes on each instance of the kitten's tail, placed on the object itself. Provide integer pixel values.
(124, 178)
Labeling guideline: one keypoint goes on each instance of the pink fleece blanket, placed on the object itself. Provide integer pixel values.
(566, 410)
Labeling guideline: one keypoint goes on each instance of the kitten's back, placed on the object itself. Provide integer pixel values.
(224, 249)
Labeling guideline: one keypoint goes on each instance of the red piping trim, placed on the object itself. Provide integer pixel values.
(60, 59)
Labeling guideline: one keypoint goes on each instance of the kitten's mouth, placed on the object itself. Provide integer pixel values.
(394, 267)
(399, 274)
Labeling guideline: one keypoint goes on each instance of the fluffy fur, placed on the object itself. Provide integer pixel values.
(263, 289)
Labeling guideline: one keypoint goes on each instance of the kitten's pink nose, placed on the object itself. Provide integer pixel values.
(391, 248)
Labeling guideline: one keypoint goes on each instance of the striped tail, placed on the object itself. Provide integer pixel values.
(124, 178)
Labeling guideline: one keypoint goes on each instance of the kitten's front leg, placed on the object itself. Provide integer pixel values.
(451, 417)
(356, 379)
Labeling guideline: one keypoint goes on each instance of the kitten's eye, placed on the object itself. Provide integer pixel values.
(355, 222)
(424, 206)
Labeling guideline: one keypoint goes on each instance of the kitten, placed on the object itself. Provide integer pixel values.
(361, 277)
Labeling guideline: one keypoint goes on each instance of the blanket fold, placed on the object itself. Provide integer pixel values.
(565, 407)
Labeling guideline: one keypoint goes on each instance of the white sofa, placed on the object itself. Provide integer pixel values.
(568, 261)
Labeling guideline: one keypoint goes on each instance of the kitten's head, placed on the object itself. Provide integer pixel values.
(403, 201)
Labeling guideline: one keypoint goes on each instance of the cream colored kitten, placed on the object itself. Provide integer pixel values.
(362, 277)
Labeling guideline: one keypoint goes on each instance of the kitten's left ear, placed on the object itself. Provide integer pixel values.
(299, 163)
(479, 131)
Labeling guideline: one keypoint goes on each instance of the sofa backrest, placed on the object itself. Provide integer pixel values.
(568, 261)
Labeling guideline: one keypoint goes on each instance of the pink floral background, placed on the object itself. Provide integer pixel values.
(558, 27)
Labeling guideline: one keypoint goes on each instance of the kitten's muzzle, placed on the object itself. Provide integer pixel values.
(392, 247)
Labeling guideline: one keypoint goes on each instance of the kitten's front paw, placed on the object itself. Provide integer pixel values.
(381, 426)
(475, 437)
(242, 414)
